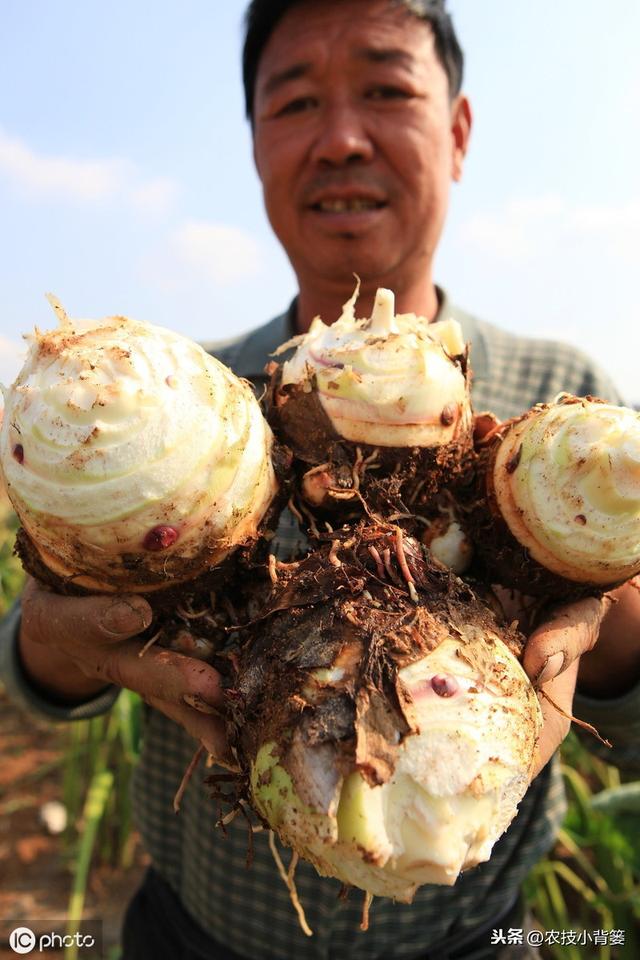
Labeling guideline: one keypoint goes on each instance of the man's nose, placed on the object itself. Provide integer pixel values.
(342, 136)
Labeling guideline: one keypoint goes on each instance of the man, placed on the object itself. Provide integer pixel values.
(359, 127)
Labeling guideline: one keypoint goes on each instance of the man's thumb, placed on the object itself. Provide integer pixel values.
(125, 617)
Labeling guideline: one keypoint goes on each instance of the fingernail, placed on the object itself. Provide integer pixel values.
(226, 761)
(200, 704)
(124, 618)
(552, 667)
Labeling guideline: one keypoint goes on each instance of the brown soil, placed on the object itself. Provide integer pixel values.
(35, 876)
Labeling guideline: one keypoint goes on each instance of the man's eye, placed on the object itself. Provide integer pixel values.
(387, 93)
(296, 106)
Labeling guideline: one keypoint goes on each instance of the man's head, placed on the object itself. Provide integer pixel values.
(359, 129)
(263, 16)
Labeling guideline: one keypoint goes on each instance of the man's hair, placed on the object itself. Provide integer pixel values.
(263, 16)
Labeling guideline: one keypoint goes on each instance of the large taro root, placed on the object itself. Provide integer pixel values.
(553, 508)
(374, 410)
(387, 740)
(134, 460)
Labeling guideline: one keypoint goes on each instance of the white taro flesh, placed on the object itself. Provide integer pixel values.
(566, 480)
(131, 456)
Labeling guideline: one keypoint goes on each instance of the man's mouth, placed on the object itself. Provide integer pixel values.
(350, 205)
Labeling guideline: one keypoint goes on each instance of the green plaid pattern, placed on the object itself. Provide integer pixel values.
(248, 910)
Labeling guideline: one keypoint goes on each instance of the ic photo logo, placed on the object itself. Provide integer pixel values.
(22, 940)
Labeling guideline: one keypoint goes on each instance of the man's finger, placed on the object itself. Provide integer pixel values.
(161, 674)
(556, 725)
(210, 731)
(569, 631)
(51, 618)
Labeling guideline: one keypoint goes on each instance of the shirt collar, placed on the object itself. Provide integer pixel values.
(259, 345)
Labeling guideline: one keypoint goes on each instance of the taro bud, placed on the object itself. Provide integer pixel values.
(133, 459)
(389, 744)
(393, 386)
(446, 538)
(565, 480)
(390, 380)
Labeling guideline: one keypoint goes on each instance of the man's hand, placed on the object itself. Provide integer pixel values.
(567, 632)
(596, 642)
(556, 723)
(551, 658)
(73, 647)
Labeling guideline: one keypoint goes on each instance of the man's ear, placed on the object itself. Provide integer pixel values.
(461, 121)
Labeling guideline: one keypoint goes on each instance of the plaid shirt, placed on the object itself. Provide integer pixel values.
(249, 910)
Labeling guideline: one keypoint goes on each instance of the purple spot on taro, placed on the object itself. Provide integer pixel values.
(448, 414)
(444, 686)
(18, 453)
(160, 538)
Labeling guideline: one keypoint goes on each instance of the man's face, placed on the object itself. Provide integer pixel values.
(356, 141)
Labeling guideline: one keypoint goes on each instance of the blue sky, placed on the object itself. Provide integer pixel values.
(126, 181)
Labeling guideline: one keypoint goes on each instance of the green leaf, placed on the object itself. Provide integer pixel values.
(625, 798)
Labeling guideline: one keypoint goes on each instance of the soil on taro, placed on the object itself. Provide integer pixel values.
(35, 876)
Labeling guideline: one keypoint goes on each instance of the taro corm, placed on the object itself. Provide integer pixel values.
(134, 460)
(375, 408)
(554, 509)
(387, 740)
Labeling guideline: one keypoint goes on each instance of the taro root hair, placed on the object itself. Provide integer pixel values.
(263, 16)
